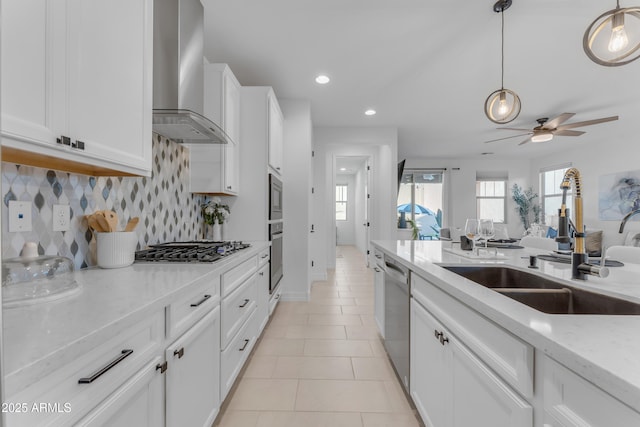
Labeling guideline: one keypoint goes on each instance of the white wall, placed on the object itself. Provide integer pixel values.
(346, 230)
(460, 197)
(619, 153)
(380, 144)
(296, 283)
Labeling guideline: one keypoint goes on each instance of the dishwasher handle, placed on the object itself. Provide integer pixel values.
(396, 272)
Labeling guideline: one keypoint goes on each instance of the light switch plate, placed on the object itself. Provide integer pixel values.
(61, 217)
(19, 216)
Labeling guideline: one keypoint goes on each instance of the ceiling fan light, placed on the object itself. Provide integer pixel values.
(502, 106)
(613, 38)
(542, 137)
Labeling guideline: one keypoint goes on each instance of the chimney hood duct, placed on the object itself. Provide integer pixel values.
(178, 74)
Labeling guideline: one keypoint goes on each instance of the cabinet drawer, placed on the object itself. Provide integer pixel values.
(234, 277)
(506, 354)
(263, 256)
(570, 400)
(192, 305)
(236, 308)
(234, 356)
(101, 370)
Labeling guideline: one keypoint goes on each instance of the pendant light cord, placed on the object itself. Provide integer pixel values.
(502, 75)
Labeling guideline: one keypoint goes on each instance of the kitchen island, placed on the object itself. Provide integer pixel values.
(601, 349)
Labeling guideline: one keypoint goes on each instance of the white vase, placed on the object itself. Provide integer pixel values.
(217, 232)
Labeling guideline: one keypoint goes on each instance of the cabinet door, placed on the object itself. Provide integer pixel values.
(110, 80)
(263, 297)
(193, 374)
(430, 376)
(33, 61)
(571, 401)
(480, 397)
(276, 134)
(378, 308)
(140, 402)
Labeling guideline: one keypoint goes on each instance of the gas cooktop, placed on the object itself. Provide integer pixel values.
(194, 251)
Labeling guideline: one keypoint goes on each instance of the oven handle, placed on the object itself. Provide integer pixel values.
(276, 235)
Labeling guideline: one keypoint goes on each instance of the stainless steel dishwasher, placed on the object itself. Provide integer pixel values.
(396, 316)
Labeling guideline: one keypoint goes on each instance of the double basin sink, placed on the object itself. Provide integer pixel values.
(542, 294)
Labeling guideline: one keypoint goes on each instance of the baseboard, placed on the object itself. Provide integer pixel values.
(319, 277)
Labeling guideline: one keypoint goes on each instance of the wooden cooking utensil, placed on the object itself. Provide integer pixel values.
(131, 225)
(112, 219)
(102, 222)
(93, 223)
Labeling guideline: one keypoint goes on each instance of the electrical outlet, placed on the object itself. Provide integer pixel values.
(19, 216)
(61, 217)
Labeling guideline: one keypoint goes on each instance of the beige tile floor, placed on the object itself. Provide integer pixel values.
(321, 363)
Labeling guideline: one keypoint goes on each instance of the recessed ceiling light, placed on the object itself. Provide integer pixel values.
(370, 112)
(322, 79)
(487, 153)
(343, 169)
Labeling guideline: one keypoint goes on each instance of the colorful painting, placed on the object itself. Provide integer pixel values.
(618, 194)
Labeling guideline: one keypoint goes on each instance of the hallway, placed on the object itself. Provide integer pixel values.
(321, 363)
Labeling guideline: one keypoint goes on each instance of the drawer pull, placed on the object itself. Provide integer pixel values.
(378, 256)
(179, 353)
(162, 367)
(377, 269)
(437, 334)
(264, 256)
(261, 273)
(206, 297)
(111, 364)
(246, 343)
(246, 301)
(443, 339)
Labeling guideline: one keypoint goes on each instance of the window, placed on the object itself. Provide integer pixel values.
(491, 199)
(551, 195)
(341, 202)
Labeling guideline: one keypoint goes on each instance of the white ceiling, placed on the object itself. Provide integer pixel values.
(427, 67)
(350, 164)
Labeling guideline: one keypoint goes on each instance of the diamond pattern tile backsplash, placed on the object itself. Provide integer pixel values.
(167, 211)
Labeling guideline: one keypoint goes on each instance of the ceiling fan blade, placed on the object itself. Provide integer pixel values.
(525, 141)
(555, 122)
(508, 137)
(587, 123)
(522, 130)
(565, 132)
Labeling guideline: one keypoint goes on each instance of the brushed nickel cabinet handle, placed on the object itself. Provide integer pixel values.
(179, 353)
(162, 367)
(88, 380)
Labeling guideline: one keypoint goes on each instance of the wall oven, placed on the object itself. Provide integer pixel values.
(275, 198)
(275, 236)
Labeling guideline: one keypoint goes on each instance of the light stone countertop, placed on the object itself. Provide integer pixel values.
(42, 337)
(601, 348)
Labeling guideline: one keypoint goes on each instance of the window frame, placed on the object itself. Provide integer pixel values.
(504, 181)
(544, 196)
(343, 202)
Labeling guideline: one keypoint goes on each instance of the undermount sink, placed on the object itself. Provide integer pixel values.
(542, 294)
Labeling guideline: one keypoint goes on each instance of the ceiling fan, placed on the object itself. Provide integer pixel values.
(547, 129)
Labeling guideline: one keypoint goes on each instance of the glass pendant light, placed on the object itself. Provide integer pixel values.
(613, 38)
(503, 105)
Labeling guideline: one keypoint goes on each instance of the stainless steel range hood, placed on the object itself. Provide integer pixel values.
(178, 74)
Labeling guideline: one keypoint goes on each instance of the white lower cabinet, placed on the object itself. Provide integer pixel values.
(192, 376)
(139, 402)
(262, 313)
(571, 401)
(452, 387)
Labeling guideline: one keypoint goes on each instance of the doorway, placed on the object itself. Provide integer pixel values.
(420, 202)
(352, 201)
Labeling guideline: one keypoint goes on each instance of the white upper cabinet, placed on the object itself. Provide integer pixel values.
(276, 134)
(67, 70)
(216, 168)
